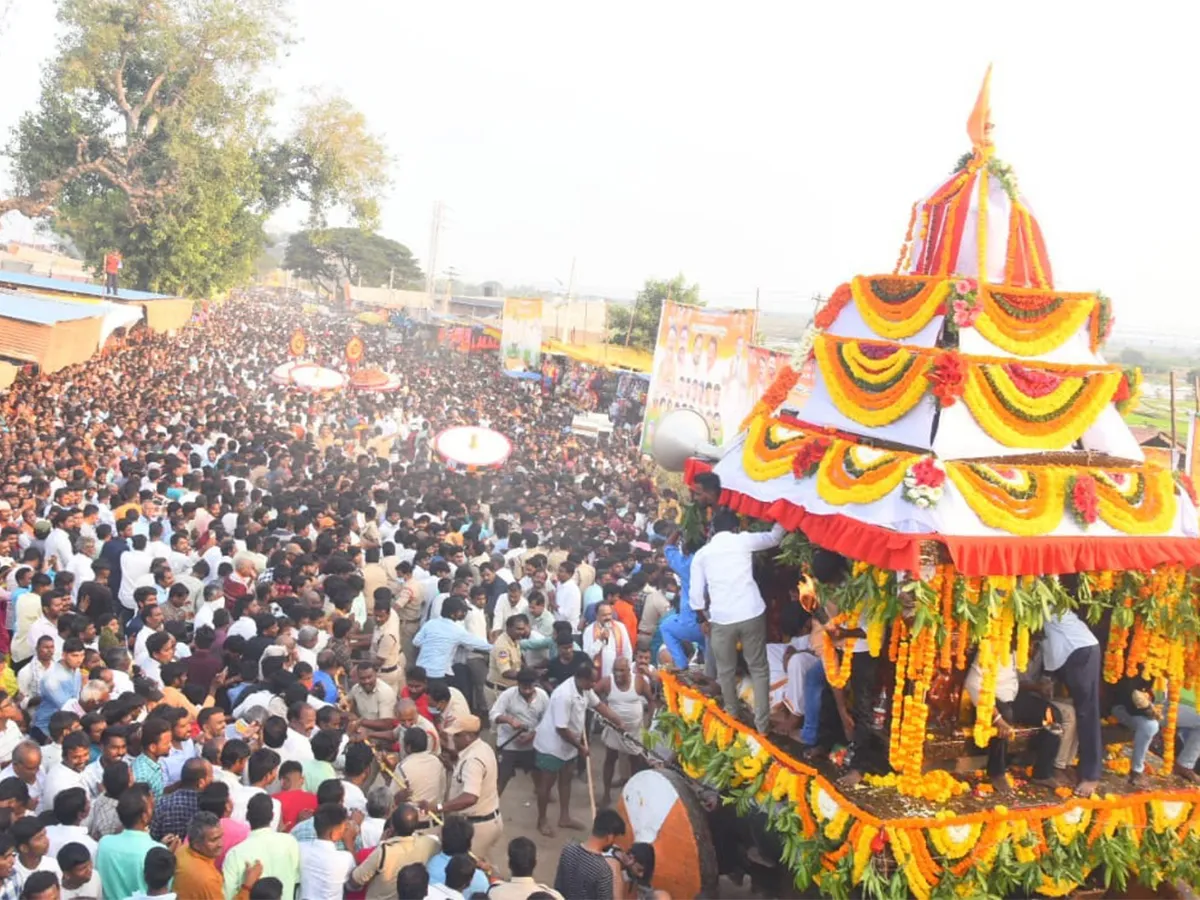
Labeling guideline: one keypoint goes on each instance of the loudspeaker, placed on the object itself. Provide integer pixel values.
(679, 434)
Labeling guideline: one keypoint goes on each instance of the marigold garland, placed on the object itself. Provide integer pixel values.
(1039, 273)
(872, 384)
(946, 587)
(1129, 391)
(898, 306)
(1020, 500)
(852, 473)
(981, 227)
(963, 842)
(906, 247)
(838, 673)
(1136, 501)
(1011, 404)
(1118, 639)
(833, 307)
(1029, 322)
(895, 742)
(774, 396)
(772, 447)
(1100, 325)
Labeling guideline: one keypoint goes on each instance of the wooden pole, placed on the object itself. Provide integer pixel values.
(591, 781)
(1174, 446)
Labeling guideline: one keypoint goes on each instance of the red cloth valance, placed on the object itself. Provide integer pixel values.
(996, 555)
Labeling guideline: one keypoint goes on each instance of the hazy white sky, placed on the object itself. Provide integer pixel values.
(777, 145)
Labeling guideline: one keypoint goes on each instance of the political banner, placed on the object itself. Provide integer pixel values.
(765, 365)
(701, 362)
(521, 335)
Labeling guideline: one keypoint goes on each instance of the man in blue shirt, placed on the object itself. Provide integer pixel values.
(439, 639)
(682, 625)
(59, 686)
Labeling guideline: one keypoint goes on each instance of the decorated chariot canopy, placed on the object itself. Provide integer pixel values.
(964, 403)
(963, 447)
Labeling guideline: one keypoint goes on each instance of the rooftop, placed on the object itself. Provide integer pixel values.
(44, 311)
(63, 286)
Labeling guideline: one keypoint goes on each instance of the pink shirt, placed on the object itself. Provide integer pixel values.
(235, 832)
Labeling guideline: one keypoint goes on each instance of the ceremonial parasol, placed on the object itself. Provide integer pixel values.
(282, 374)
(375, 380)
(472, 447)
(314, 378)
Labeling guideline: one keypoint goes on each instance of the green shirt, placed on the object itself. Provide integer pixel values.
(315, 772)
(120, 859)
(277, 851)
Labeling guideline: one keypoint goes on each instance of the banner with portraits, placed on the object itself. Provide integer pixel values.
(521, 334)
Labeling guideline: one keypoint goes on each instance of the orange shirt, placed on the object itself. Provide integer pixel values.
(623, 610)
(198, 878)
(112, 263)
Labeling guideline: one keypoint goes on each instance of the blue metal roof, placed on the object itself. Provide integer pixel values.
(44, 311)
(62, 285)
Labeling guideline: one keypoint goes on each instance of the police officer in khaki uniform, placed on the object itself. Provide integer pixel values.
(385, 642)
(473, 785)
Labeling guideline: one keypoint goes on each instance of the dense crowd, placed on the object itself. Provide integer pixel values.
(262, 643)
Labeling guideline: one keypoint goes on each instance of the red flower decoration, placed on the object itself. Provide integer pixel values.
(1081, 497)
(1032, 382)
(949, 374)
(809, 456)
(928, 473)
(1122, 392)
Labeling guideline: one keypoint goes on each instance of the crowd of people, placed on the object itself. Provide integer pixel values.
(265, 644)
(260, 643)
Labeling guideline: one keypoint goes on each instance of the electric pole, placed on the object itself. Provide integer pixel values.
(435, 231)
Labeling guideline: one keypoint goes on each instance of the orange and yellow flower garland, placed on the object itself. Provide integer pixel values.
(1020, 500)
(965, 842)
(898, 306)
(1028, 322)
(1015, 417)
(872, 384)
(853, 473)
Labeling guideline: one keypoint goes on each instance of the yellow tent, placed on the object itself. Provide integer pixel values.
(371, 318)
(612, 356)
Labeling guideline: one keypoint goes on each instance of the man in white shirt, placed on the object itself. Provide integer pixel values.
(69, 772)
(568, 600)
(135, 563)
(606, 639)
(559, 738)
(516, 714)
(324, 869)
(724, 593)
(58, 544)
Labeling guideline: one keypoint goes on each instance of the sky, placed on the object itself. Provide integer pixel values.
(772, 146)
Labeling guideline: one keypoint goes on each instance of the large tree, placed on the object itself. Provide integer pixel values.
(328, 257)
(151, 136)
(647, 310)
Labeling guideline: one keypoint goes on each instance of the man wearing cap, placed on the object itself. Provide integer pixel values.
(473, 785)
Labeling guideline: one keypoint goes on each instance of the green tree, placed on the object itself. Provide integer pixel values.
(150, 136)
(647, 310)
(335, 255)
